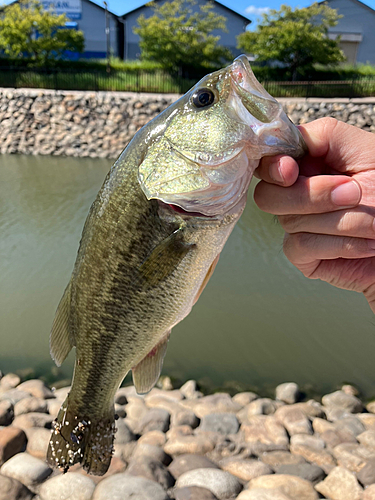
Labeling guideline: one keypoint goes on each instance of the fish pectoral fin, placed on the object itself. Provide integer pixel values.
(147, 372)
(210, 272)
(164, 259)
(61, 340)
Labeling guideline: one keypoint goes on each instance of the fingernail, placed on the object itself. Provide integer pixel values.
(275, 172)
(346, 195)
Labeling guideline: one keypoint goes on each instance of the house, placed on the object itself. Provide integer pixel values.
(236, 24)
(356, 30)
(93, 20)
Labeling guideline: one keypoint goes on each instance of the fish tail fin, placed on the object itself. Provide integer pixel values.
(77, 438)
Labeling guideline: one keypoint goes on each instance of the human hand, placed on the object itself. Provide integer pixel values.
(326, 204)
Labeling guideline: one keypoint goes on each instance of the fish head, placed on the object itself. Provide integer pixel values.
(202, 156)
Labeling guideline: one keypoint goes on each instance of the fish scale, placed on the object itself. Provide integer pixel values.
(145, 257)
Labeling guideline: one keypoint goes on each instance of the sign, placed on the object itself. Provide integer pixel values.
(72, 8)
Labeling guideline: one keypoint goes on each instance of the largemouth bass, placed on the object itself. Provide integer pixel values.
(150, 244)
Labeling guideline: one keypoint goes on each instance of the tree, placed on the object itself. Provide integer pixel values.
(298, 38)
(180, 38)
(29, 30)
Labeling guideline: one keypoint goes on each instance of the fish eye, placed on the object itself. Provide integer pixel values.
(203, 98)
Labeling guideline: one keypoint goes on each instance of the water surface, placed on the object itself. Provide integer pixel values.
(258, 322)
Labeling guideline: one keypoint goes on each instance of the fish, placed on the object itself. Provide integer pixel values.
(150, 244)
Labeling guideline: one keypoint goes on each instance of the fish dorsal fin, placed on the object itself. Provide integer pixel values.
(147, 372)
(61, 339)
(164, 259)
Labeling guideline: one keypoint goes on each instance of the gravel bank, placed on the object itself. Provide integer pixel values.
(178, 444)
(100, 124)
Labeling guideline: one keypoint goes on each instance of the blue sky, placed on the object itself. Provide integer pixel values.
(249, 8)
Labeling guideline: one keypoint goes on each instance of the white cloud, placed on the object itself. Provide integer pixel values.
(257, 11)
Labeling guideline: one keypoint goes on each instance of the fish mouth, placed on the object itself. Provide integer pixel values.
(181, 211)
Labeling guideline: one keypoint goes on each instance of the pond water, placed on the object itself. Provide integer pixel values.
(258, 323)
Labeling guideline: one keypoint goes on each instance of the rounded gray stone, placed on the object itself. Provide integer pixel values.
(310, 472)
(287, 392)
(223, 423)
(11, 489)
(152, 451)
(155, 419)
(70, 486)
(193, 493)
(123, 433)
(9, 381)
(152, 469)
(36, 388)
(27, 469)
(6, 412)
(343, 401)
(188, 462)
(29, 405)
(366, 475)
(220, 483)
(126, 487)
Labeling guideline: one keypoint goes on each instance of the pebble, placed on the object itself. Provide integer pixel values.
(310, 472)
(11, 489)
(245, 469)
(123, 434)
(125, 487)
(70, 486)
(9, 381)
(152, 451)
(265, 432)
(340, 484)
(215, 403)
(152, 469)
(29, 405)
(294, 420)
(27, 469)
(190, 390)
(369, 493)
(287, 392)
(343, 401)
(37, 441)
(12, 441)
(6, 412)
(171, 434)
(223, 423)
(179, 445)
(46, 122)
(188, 462)
(155, 419)
(292, 487)
(222, 484)
(244, 398)
(277, 458)
(193, 493)
(262, 494)
(33, 419)
(37, 389)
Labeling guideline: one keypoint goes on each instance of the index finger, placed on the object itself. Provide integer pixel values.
(342, 147)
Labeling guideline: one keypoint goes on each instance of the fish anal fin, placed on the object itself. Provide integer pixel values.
(61, 338)
(164, 258)
(147, 372)
(210, 272)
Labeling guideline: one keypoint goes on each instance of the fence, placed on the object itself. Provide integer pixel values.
(161, 82)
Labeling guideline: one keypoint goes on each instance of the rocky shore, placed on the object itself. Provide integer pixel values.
(100, 124)
(178, 444)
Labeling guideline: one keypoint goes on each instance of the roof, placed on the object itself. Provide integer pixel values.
(89, 1)
(245, 19)
(360, 4)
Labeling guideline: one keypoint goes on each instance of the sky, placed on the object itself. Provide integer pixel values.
(251, 9)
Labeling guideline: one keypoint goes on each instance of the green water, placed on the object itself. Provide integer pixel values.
(258, 322)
